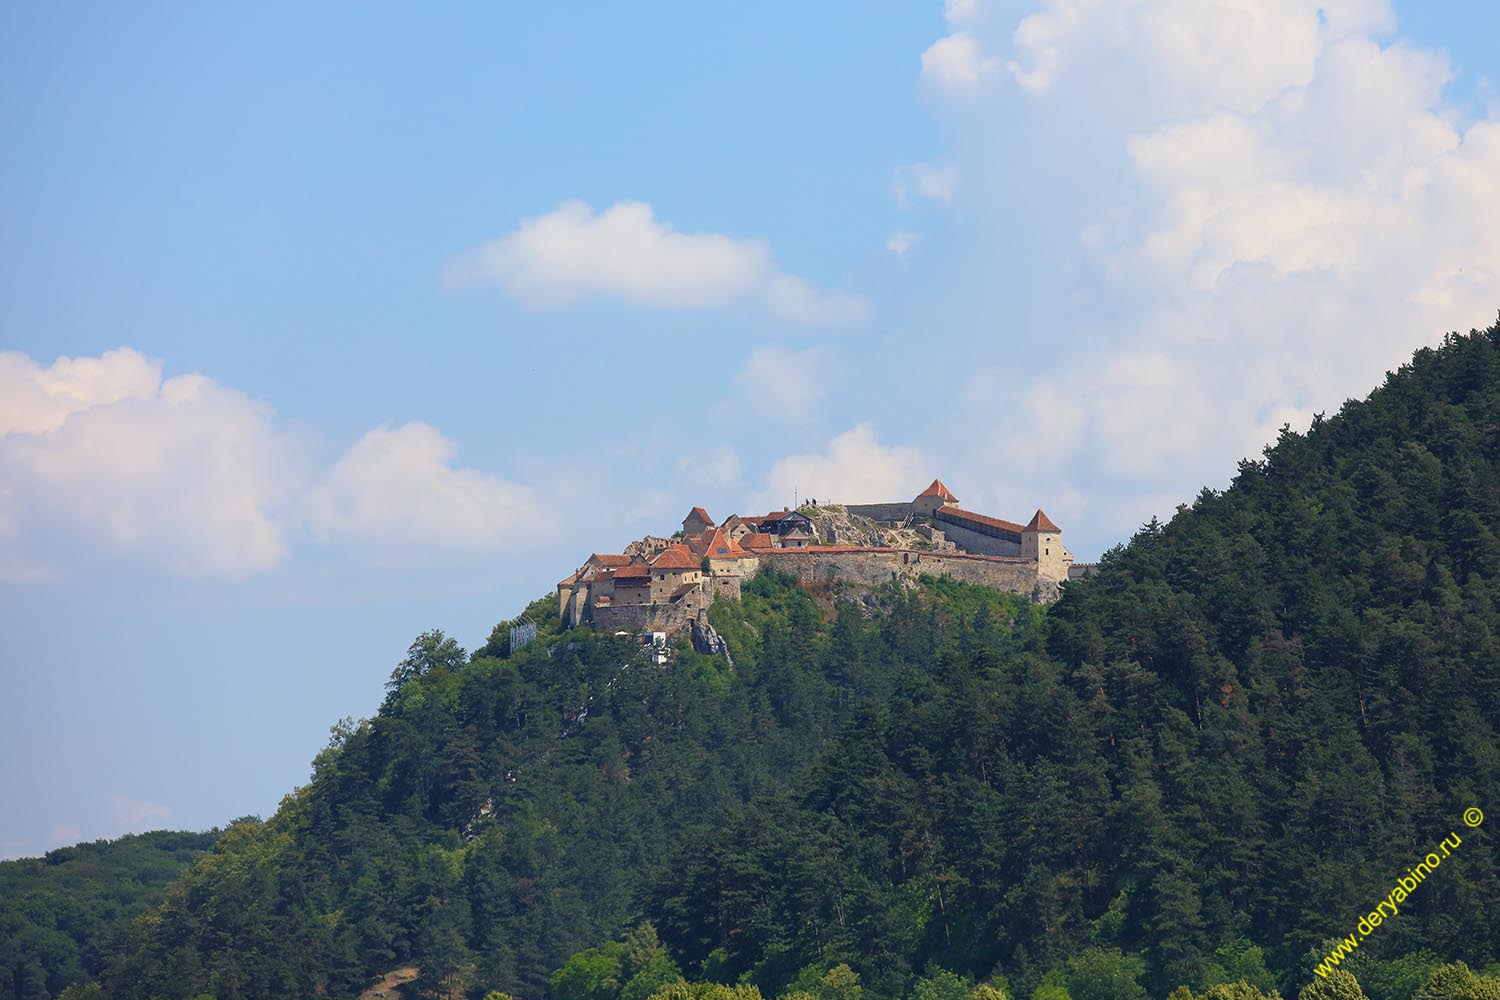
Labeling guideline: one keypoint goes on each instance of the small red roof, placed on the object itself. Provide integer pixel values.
(630, 574)
(937, 489)
(701, 514)
(607, 559)
(682, 591)
(1041, 522)
(676, 557)
(758, 540)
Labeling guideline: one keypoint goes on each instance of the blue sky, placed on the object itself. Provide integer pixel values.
(327, 326)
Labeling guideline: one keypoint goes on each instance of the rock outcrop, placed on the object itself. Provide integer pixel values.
(707, 640)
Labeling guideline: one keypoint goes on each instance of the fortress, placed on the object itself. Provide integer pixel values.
(666, 584)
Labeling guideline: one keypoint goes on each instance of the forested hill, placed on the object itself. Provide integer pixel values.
(59, 913)
(1196, 768)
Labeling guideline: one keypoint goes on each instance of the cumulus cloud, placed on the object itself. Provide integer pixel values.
(956, 64)
(572, 253)
(34, 399)
(184, 472)
(855, 468)
(624, 252)
(196, 477)
(1278, 205)
(1185, 56)
(396, 491)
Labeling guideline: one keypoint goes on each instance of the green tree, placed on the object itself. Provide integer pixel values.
(1456, 981)
(1337, 985)
(940, 984)
(593, 974)
(1105, 974)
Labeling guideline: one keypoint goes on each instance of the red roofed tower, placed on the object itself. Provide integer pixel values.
(933, 498)
(696, 522)
(1041, 542)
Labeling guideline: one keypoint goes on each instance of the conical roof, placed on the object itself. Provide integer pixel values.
(937, 489)
(1040, 522)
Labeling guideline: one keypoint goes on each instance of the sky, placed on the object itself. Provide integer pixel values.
(325, 325)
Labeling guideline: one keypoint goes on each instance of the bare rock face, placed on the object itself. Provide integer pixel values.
(1046, 591)
(833, 525)
(707, 640)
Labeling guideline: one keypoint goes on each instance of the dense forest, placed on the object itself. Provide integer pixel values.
(1188, 778)
(59, 912)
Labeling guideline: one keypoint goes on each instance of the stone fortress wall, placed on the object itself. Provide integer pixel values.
(971, 540)
(872, 567)
(882, 513)
(638, 618)
(665, 585)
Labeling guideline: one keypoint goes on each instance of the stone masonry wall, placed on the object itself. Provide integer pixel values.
(880, 511)
(635, 618)
(872, 567)
(973, 541)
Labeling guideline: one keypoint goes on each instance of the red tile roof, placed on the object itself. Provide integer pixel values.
(676, 557)
(607, 559)
(716, 544)
(630, 575)
(1041, 522)
(937, 489)
(702, 515)
(698, 544)
(758, 540)
(959, 514)
(682, 591)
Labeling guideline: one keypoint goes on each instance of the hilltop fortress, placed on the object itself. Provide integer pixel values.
(666, 584)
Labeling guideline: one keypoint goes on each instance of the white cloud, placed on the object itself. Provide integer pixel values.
(624, 252)
(955, 64)
(959, 10)
(195, 477)
(901, 242)
(856, 468)
(1276, 207)
(793, 299)
(396, 492)
(34, 399)
(1185, 56)
(185, 472)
